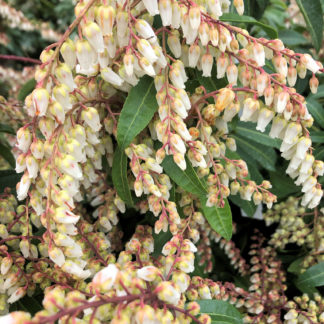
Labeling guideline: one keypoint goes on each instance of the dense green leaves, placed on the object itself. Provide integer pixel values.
(220, 219)
(312, 277)
(255, 151)
(313, 15)
(9, 178)
(119, 176)
(137, 111)
(220, 311)
(230, 17)
(248, 131)
(187, 179)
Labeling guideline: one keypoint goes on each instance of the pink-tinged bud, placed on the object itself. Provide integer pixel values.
(264, 118)
(40, 99)
(215, 8)
(105, 278)
(280, 64)
(57, 111)
(214, 36)
(262, 81)
(15, 318)
(304, 143)
(174, 43)
(94, 35)
(258, 54)
(56, 255)
(151, 6)
(206, 65)
(6, 264)
(179, 159)
(148, 273)
(165, 8)
(292, 76)
(147, 66)
(86, 55)
(68, 53)
(268, 95)
(61, 94)
(222, 64)
(167, 292)
(204, 33)
(225, 98)
(110, 76)
(239, 6)
(194, 54)
(176, 15)
(67, 163)
(310, 63)
(250, 107)
(313, 83)
(282, 101)
(232, 74)
(146, 50)
(316, 199)
(23, 186)
(64, 75)
(105, 17)
(91, 117)
(194, 17)
(292, 130)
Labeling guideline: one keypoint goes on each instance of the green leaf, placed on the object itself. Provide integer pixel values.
(282, 185)
(211, 83)
(312, 277)
(248, 131)
(187, 179)
(295, 266)
(313, 15)
(231, 17)
(9, 178)
(159, 241)
(137, 111)
(7, 129)
(316, 110)
(317, 137)
(266, 156)
(292, 38)
(26, 89)
(220, 311)
(319, 154)
(220, 219)
(248, 206)
(5, 152)
(119, 176)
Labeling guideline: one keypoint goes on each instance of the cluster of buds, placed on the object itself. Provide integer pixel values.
(305, 310)
(296, 225)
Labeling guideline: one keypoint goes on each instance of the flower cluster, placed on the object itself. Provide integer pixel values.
(181, 166)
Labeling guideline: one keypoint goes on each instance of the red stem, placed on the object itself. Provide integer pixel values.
(20, 58)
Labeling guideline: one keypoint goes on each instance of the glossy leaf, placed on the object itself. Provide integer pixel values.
(231, 17)
(9, 178)
(313, 15)
(26, 89)
(5, 152)
(119, 176)
(220, 311)
(248, 206)
(317, 137)
(137, 111)
(7, 129)
(313, 276)
(187, 179)
(220, 219)
(316, 110)
(266, 156)
(248, 131)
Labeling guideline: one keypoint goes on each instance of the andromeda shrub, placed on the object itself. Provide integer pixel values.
(145, 111)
